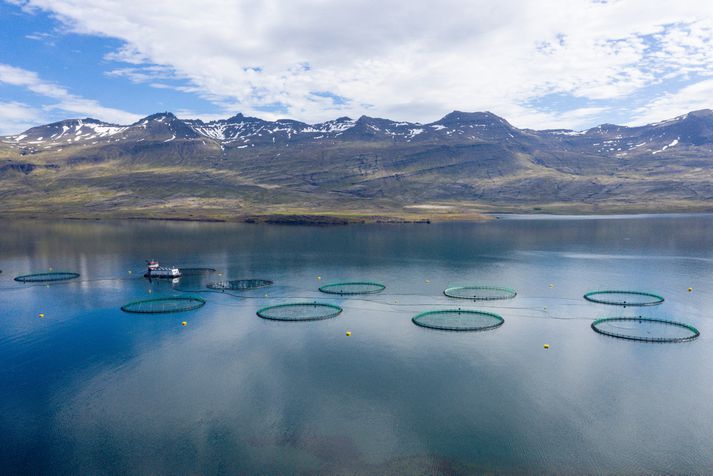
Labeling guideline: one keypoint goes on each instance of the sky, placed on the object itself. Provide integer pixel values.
(540, 64)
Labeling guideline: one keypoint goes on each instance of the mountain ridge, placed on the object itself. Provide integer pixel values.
(457, 166)
(196, 128)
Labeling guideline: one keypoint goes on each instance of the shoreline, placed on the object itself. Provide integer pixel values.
(328, 219)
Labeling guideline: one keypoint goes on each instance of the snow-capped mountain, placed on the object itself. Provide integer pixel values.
(695, 129)
(247, 163)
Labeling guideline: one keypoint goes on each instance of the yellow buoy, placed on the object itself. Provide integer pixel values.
(319, 278)
(552, 285)
(690, 289)
(184, 323)
(428, 280)
(547, 346)
(42, 315)
(349, 333)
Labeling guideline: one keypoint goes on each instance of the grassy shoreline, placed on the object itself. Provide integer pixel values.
(317, 217)
(268, 218)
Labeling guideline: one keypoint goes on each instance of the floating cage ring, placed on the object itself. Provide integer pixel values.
(164, 305)
(46, 277)
(239, 284)
(688, 332)
(458, 320)
(480, 293)
(300, 311)
(195, 271)
(624, 298)
(354, 287)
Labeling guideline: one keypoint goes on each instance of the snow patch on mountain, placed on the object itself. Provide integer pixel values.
(673, 143)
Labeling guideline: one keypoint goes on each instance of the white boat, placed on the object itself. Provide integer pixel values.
(154, 270)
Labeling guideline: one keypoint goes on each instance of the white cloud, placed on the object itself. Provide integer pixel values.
(43, 37)
(145, 74)
(691, 98)
(564, 120)
(16, 117)
(402, 59)
(63, 100)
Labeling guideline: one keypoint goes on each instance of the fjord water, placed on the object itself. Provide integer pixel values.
(89, 389)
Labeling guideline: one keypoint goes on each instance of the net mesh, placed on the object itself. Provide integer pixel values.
(195, 271)
(356, 287)
(239, 284)
(46, 277)
(480, 293)
(164, 305)
(301, 311)
(458, 320)
(624, 298)
(645, 329)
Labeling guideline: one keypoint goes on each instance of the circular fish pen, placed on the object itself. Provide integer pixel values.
(239, 284)
(195, 271)
(355, 287)
(46, 277)
(624, 298)
(300, 311)
(164, 305)
(480, 293)
(645, 329)
(458, 320)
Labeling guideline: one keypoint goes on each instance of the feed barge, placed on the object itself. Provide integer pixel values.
(154, 270)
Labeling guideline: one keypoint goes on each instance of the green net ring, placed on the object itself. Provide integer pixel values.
(653, 299)
(694, 333)
(480, 293)
(458, 320)
(164, 305)
(239, 284)
(353, 287)
(46, 277)
(300, 311)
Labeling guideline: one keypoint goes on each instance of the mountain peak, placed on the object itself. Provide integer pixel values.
(236, 118)
(240, 117)
(157, 117)
(161, 115)
(472, 117)
(699, 114)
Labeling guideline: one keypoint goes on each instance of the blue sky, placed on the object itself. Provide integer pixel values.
(570, 64)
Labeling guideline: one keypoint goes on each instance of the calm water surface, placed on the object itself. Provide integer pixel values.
(89, 389)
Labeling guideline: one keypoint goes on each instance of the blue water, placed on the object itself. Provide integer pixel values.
(89, 389)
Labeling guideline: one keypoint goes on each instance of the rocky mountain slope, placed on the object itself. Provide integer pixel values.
(245, 167)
